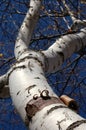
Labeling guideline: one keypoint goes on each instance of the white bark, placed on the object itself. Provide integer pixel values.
(63, 48)
(27, 79)
(27, 82)
(57, 117)
(27, 27)
(37, 104)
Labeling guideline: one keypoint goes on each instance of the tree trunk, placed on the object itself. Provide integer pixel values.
(37, 104)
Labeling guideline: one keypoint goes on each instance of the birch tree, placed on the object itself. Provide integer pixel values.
(32, 96)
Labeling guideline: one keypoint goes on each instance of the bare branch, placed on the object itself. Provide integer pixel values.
(77, 23)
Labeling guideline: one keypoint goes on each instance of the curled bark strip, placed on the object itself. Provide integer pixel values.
(35, 105)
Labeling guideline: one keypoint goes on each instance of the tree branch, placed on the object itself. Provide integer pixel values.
(63, 48)
(27, 27)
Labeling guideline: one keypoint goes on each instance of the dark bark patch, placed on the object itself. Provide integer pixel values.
(62, 55)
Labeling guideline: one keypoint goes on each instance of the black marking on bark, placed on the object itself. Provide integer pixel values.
(26, 25)
(63, 42)
(19, 52)
(46, 64)
(36, 78)
(23, 51)
(23, 66)
(53, 53)
(55, 108)
(59, 46)
(30, 54)
(62, 55)
(42, 53)
(18, 92)
(45, 94)
(35, 97)
(42, 74)
(18, 46)
(27, 96)
(28, 57)
(40, 62)
(42, 123)
(31, 9)
(30, 87)
(30, 6)
(30, 66)
(30, 15)
(59, 124)
(76, 124)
